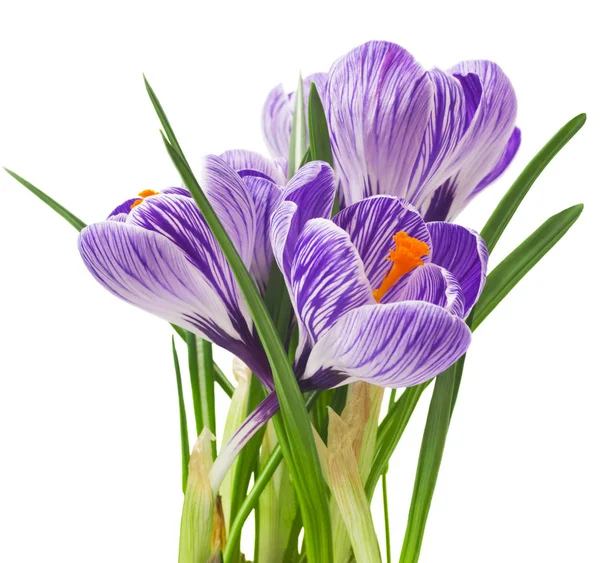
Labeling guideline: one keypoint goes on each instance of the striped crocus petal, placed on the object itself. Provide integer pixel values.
(378, 102)
(488, 146)
(462, 252)
(120, 212)
(260, 416)
(308, 195)
(149, 271)
(278, 113)
(327, 280)
(249, 163)
(266, 197)
(394, 345)
(371, 224)
(429, 283)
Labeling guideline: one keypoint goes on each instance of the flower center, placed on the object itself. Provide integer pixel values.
(405, 257)
(143, 195)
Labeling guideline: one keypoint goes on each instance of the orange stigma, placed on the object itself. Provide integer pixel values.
(405, 257)
(143, 194)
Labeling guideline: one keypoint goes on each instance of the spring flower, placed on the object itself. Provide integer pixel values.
(380, 295)
(435, 138)
(157, 252)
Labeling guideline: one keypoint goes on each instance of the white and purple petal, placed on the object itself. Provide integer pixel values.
(430, 283)
(372, 223)
(378, 102)
(327, 280)
(266, 197)
(249, 163)
(394, 345)
(232, 203)
(308, 195)
(462, 252)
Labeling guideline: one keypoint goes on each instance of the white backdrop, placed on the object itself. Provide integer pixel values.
(89, 438)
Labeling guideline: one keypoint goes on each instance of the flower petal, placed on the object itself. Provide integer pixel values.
(266, 197)
(308, 195)
(232, 203)
(147, 270)
(246, 162)
(327, 279)
(462, 252)
(487, 144)
(429, 283)
(371, 224)
(378, 102)
(259, 416)
(178, 219)
(278, 113)
(394, 345)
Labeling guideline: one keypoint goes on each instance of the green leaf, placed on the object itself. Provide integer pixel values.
(430, 459)
(318, 132)
(194, 369)
(62, 211)
(390, 431)
(301, 457)
(512, 269)
(207, 388)
(505, 210)
(183, 429)
(298, 137)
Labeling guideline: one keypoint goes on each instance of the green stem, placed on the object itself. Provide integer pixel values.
(386, 517)
(190, 339)
(207, 389)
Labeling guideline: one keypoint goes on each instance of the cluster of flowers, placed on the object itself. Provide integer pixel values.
(381, 289)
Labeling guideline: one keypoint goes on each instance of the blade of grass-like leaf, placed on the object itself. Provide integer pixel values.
(207, 388)
(301, 458)
(194, 369)
(430, 458)
(318, 132)
(62, 211)
(183, 429)
(220, 377)
(298, 138)
(505, 210)
(163, 118)
(512, 269)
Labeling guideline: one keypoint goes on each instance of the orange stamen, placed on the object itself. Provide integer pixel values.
(405, 258)
(143, 194)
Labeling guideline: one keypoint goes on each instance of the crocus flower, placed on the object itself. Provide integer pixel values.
(157, 252)
(379, 294)
(435, 138)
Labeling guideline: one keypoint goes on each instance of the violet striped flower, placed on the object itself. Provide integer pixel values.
(379, 294)
(435, 138)
(157, 252)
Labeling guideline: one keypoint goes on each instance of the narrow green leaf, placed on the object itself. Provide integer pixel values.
(62, 211)
(298, 137)
(430, 458)
(512, 269)
(390, 431)
(220, 377)
(502, 215)
(302, 459)
(306, 158)
(183, 429)
(207, 388)
(194, 369)
(163, 119)
(318, 131)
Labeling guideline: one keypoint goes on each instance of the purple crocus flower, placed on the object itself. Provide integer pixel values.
(157, 252)
(435, 138)
(379, 294)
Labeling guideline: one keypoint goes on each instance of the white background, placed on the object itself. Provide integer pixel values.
(90, 467)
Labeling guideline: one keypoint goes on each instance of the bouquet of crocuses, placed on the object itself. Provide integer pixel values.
(331, 271)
